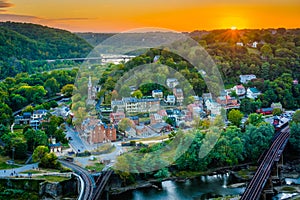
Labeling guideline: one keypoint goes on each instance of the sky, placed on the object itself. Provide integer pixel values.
(177, 15)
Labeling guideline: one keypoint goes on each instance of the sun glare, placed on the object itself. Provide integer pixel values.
(233, 28)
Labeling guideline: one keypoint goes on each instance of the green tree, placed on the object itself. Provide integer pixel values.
(296, 117)
(39, 153)
(6, 115)
(235, 117)
(52, 86)
(50, 160)
(125, 123)
(137, 94)
(295, 136)
(277, 111)
(68, 89)
(255, 119)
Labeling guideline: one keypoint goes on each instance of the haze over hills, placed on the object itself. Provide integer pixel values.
(33, 42)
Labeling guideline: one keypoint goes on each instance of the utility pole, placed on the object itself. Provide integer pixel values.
(13, 154)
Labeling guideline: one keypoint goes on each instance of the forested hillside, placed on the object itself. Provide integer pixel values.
(24, 47)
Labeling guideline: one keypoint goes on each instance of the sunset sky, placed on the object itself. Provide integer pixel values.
(179, 15)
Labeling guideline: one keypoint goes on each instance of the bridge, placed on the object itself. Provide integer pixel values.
(91, 189)
(257, 184)
(101, 183)
(88, 181)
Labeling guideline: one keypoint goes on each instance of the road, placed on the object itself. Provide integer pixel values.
(76, 142)
(8, 172)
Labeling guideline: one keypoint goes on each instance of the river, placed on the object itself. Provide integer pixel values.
(203, 187)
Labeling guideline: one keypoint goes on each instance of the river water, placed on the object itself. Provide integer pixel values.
(200, 188)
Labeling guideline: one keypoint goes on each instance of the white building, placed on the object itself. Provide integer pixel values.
(240, 90)
(172, 82)
(246, 78)
(171, 99)
(157, 94)
(130, 104)
(213, 107)
(253, 93)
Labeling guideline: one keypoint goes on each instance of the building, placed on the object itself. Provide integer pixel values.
(240, 44)
(156, 58)
(94, 131)
(253, 93)
(38, 114)
(55, 147)
(135, 119)
(115, 118)
(155, 118)
(157, 94)
(228, 102)
(247, 78)
(254, 44)
(178, 93)
(276, 105)
(265, 111)
(133, 105)
(194, 110)
(213, 107)
(295, 82)
(171, 100)
(34, 124)
(172, 82)
(161, 127)
(240, 90)
(92, 91)
(206, 96)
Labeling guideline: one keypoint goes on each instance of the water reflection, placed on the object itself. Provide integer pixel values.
(200, 188)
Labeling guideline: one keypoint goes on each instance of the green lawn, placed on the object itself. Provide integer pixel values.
(53, 178)
(3, 164)
(95, 167)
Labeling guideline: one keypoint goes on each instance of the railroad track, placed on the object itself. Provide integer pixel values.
(104, 179)
(88, 183)
(262, 174)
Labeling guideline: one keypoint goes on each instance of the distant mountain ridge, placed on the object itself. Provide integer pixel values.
(36, 42)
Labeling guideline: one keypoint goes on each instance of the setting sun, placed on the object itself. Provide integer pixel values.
(233, 28)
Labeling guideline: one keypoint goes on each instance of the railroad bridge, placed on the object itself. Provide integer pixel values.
(261, 185)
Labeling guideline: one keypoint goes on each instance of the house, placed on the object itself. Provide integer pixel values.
(246, 78)
(155, 118)
(130, 132)
(253, 93)
(162, 113)
(142, 130)
(198, 100)
(135, 119)
(34, 124)
(131, 105)
(228, 102)
(23, 119)
(213, 107)
(161, 127)
(206, 96)
(254, 44)
(194, 109)
(276, 105)
(178, 93)
(38, 114)
(171, 100)
(157, 94)
(239, 90)
(55, 146)
(172, 82)
(265, 111)
(239, 44)
(115, 118)
(156, 58)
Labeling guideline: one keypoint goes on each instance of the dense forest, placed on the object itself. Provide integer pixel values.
(26, 47)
